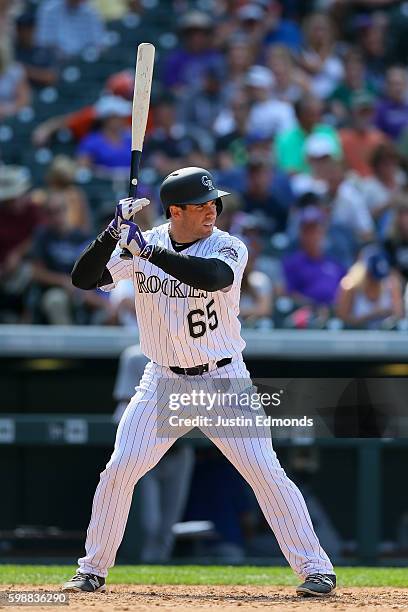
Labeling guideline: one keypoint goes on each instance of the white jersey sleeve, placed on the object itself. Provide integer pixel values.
(120, 269)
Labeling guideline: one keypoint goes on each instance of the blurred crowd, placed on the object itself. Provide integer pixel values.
(300, 109)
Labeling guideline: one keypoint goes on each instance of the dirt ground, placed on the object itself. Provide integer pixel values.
(224, 598)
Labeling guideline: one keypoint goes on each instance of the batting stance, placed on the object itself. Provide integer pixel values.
(187, 277)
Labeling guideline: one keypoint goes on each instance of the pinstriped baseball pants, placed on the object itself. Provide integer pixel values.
(138, 448)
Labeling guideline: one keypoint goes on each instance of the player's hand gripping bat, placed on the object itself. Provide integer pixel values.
(140, 111)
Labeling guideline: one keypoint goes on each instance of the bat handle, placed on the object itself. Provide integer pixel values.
(133, 182)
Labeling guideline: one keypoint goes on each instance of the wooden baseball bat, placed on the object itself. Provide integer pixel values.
(140, 111)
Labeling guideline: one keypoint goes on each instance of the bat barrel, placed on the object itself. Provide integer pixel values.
(140, 111)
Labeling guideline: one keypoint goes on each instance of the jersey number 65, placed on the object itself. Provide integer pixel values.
(198, 327)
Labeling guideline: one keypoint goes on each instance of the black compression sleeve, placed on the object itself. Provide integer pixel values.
(198, 272)
(90, 269)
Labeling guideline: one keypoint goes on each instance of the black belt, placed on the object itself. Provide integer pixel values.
(200, 369)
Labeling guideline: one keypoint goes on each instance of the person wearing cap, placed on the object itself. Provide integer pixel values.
(185, 66)
(80, 122)
(361, 139)
(18, 219)
(250, 25)
(370, 295)
(251, 19)
(311, 277)
(109, 147)
(187, 276)
(348, 205)
(289, 145)
(267, 116)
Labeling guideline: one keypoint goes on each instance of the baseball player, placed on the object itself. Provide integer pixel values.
(187, 276)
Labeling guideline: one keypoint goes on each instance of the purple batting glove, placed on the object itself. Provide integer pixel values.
(131, 238)
(124, 211)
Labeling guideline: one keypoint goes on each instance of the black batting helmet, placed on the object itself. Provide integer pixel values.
(190, 186)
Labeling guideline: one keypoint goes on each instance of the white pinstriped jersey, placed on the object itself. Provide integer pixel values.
(179, 325)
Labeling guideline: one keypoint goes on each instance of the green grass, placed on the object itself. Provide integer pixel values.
(194, 574)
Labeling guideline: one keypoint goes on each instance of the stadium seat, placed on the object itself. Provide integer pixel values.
(100, 192)
(38, 160)
(15, 135)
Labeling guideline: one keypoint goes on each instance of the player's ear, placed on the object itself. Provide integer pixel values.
(175, 211)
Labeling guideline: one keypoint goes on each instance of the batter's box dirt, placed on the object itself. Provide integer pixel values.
(134, 598)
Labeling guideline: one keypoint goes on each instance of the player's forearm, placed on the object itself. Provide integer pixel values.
(197, 272)
(90, 268)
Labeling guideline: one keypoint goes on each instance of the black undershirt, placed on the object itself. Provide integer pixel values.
(211, 274)
(180, 246)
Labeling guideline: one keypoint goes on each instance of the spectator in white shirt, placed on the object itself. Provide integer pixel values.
(347, 201)
(268, 116)
(68, 27)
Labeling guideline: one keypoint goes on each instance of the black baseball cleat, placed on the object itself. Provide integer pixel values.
(317, 585)
(86, 583)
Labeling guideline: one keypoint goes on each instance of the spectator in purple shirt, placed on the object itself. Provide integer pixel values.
(108, 148)
(392, 110)
(311, 277)
(186, 66)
